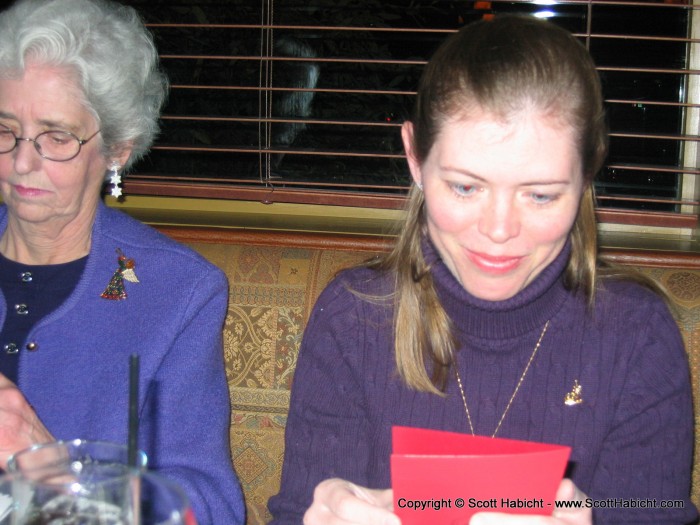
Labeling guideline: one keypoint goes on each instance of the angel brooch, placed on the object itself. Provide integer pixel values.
(115, 289)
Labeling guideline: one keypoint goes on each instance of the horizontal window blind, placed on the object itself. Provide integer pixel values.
(302, 101)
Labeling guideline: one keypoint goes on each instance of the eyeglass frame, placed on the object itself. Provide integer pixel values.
(37, 146)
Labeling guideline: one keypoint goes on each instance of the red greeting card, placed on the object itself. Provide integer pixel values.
(445, 477)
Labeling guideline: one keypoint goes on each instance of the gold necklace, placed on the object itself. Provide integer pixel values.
(515, 392)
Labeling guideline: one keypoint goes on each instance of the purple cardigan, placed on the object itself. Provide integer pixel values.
(631, 437)
(77, 377)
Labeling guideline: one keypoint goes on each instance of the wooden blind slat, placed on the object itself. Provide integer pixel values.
(227, 125)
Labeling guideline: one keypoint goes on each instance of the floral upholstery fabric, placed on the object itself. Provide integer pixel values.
(272, 290)
(684, 288)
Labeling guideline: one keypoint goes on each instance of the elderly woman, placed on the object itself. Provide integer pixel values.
(491, 315)
(84, 286)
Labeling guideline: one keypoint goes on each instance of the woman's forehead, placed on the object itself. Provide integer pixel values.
(49, 95)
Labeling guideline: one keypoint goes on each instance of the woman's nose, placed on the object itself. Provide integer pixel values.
(500, 220)
(26, 156)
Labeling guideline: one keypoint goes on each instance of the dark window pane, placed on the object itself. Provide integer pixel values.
(319, 100)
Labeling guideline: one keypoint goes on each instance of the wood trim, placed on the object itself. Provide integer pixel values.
(271, 195)
(652, 258)
(324, 241)
(266, 195)
(368, 243)
(631, 217)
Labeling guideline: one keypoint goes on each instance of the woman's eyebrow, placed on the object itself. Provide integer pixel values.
(466, 173)
(62, 125)
(547, 183)
(56, 124)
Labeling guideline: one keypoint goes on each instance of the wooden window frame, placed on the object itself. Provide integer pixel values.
(266, 191)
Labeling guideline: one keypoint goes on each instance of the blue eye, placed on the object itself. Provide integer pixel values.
(463, 190)
(542, 198)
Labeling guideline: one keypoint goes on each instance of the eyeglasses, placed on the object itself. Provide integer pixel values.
(58, 146)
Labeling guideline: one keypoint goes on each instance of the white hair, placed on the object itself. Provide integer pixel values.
(111, 53)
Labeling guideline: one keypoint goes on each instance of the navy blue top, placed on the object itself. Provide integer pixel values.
(31, 292)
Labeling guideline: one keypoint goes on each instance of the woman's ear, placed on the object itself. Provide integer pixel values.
(413, 164)
(121, 154)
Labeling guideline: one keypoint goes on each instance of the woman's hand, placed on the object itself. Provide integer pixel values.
(339, 502)
(20, 427)
(567, 491)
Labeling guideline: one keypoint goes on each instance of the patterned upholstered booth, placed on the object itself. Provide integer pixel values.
(275, 279)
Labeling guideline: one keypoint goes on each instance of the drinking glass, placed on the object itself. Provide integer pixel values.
(135, 498)
(158, 500)
(83, 482)
(72, 456)
(81, 498)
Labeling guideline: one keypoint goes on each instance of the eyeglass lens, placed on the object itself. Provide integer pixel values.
(52, 145)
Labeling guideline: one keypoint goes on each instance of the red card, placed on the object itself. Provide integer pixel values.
(445, 477)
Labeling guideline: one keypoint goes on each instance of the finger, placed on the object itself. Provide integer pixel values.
(338, 502)
(13, 400)
(359, 505)
(380, 498)
(567, 491)
(4, 382)
(386, 499)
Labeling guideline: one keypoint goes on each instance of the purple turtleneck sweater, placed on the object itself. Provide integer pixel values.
(631, 437)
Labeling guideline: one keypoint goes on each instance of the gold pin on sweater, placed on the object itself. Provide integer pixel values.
(574, 397)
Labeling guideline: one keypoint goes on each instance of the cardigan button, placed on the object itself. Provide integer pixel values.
(26, 277)
(21, 309)
(32, 346)
(10, 348)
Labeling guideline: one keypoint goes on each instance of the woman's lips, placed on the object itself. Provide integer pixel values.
(28, 192)
(495, 264)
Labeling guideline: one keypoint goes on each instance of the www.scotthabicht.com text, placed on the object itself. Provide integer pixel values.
(537, 503)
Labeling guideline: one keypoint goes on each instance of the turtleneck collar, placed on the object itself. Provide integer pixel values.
(526, 311)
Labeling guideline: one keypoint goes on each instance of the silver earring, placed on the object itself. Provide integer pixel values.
(115, 179)
(420, 186)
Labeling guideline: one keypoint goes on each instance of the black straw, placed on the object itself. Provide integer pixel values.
(132, 445)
